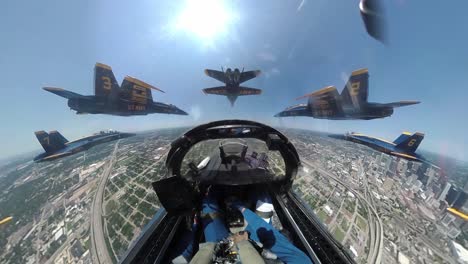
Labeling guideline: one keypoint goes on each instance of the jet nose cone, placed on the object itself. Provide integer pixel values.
(280, 114)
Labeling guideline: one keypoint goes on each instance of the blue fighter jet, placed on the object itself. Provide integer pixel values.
(403, 147)
(352, 103)
(57, 146)
(132, 97)
(232, 80)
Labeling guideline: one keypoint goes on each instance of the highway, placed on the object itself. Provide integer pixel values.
(375, 227)
(375, 249)
(99, 251)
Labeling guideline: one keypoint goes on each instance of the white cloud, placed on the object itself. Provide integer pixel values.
(266, 56)
(275, 71)
(195, 112)
(301, 5)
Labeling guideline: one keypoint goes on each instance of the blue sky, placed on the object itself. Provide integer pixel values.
(301, 46)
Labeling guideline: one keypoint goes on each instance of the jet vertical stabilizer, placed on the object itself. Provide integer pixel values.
(411, 143)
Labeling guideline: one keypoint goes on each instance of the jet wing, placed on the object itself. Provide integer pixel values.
(249, 91)
(218, 75)
(220, 90)
(324, 102)
(58, 155)
(404, 155)
(296, 110)
(329, 91)
(138, 91)
(63, 93)
(245, 76)
(401, 103)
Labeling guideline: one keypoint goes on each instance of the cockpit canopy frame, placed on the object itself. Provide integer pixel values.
(226, 129)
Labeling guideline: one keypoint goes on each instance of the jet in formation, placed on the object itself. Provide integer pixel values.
(57, 146)
(403, 147)
(232, 80)
(352, 103)
(372, 16)
(132, 97)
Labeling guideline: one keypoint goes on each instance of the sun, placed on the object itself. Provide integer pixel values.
(205, 19)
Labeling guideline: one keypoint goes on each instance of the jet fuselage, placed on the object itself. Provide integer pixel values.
(232, 77)
(232, 80)
(81, 144)
(366, 112)
(101, 105)
(352, 103)
(384, 146)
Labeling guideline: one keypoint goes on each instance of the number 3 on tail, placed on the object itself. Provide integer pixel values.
(106, 82)
(355, 88)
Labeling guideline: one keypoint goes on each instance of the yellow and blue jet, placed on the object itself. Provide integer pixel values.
(132, 97)
(403, 147)
(57, 146)
(352, 103)
(232, 80)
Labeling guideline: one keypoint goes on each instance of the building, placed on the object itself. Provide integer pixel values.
(453, 231)
(417, 185)
(388, 184)
(403, 259)
(436, 189)
(459, 252)
(431, 173)
(385, 161)
(402, 166)
(415, 167)
(461, 202)
(411, 179)
(393, 167)
(452, 195)
(447, 219)
(444, 192)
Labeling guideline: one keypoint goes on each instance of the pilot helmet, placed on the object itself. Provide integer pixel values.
(264, 209)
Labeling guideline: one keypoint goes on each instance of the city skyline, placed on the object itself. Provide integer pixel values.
(90, 208)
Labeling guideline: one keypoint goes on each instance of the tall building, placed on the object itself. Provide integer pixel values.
(411, 179)
(409, 166)
(431, 173)
(452, 195)
(417, 185)
(461, 201)
(423, 178)
(444, 192)
(459, 252)
(402, 166)
(436, 189)
(415, 167)
(422, 169)
(393, 167)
